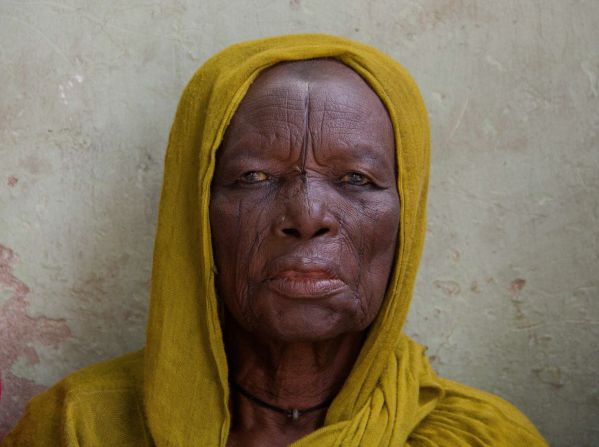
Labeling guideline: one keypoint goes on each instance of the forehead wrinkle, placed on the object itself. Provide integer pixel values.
(293, 113)
(275, 95)
(287, 104)
(349, 103)
(323, 119)
(271, 107)
(341, 123)
(263, 121)
(346, 111)
(308, 138)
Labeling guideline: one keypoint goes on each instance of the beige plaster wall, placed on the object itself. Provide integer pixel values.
(508, 294)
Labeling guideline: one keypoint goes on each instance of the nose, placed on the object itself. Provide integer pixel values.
(306, 215)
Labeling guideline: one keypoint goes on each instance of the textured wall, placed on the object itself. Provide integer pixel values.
(508, 295)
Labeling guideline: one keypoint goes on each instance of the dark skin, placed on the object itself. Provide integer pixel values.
(304, 213)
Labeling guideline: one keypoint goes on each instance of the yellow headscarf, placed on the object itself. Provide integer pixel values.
(391, 397)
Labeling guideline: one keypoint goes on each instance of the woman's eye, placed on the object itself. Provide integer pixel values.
(355, 178)
(254, 177)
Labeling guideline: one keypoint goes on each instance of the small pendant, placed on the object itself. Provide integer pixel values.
(295, 414)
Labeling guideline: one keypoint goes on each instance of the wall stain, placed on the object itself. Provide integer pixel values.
(434, 360)
(517, 285)
(18, 332)
(448, 287)
(35, 165)
(429, 16)
(455, 255)
(550, 375)
(518, 303)
(12, 181)
(475, 287)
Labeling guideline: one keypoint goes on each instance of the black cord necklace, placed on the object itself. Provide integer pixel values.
(292, 413)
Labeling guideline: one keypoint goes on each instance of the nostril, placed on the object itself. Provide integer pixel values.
(321, 232)
(291, 232)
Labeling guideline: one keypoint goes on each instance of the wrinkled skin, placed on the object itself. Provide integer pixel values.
(305, 215)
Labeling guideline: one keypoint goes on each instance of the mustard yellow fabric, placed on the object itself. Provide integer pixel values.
(175, 391)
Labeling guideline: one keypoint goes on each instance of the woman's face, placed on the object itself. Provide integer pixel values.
(304, 209)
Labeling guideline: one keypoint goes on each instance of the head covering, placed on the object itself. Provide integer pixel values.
(175, 393)
(391, 396)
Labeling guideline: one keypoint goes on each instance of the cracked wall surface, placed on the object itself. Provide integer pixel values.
(508, 293)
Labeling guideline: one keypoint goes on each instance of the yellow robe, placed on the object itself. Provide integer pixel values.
(175, 391)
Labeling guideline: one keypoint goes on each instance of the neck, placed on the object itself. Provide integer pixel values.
(286, 375)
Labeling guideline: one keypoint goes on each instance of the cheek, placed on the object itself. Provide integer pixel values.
(238, 225)
(380, 221)
(224, 224)
(377, 232)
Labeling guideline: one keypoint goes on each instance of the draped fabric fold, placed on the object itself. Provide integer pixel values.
(392, 396)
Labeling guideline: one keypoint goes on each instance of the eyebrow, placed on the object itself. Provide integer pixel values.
(365, 154)
(251, 149)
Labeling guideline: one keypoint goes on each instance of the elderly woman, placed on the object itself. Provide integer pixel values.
(291, 223)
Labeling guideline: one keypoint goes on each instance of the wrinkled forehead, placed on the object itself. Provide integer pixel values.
(321, 97)
(323, 82)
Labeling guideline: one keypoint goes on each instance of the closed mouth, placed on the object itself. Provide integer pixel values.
(305, 286)
(305, 278)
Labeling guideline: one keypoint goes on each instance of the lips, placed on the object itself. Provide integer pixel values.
(306, 278)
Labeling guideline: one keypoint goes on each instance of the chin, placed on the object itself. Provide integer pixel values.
(307, 322)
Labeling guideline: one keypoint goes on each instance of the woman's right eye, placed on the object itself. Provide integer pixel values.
(254, 177)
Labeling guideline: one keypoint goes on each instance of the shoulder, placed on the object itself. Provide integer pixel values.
(481, 417)
(98, 405)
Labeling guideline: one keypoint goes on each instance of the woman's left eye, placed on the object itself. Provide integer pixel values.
(355, 178)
